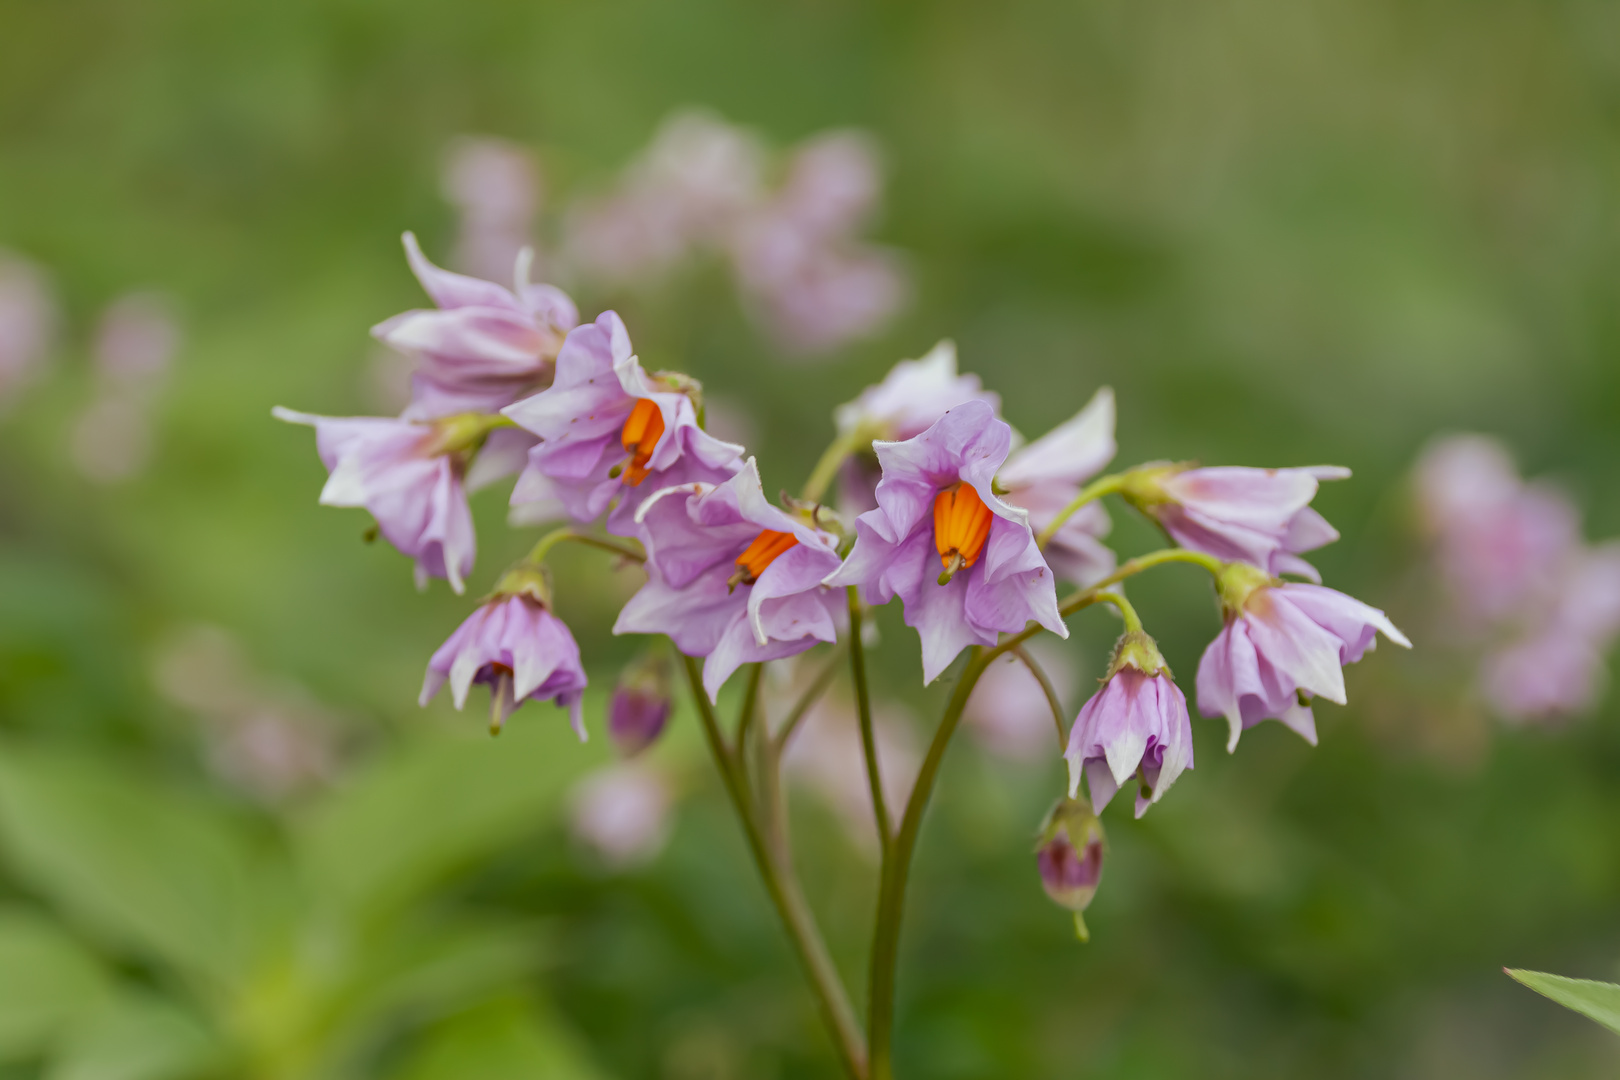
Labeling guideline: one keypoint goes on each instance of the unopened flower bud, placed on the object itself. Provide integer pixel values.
(640, 705)
(1070, 858)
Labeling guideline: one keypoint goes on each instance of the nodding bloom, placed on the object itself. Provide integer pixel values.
(1044, 476)
(514, 645)
(1259, 516)
(963, 562)
(732, 578)
(610, 432)
(484, 346)
(1070, 857)
(640, 705)
(1282, 644)
(1136, 725)
(410, 477)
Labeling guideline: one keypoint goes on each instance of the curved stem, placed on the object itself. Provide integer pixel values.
(540, 550)
(1046, 688)
(1132, 567)
(782, 886)
(1133, 621)
(821, 477)
(863, 706)
(1103, 485)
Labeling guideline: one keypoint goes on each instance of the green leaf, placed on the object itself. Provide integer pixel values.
(440, 804)
(143, 866)
(47, 980)
(501, 1041)
(1598, 1001)
(136, 1037)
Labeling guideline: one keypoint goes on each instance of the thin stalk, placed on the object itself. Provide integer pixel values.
(541, 549)
(750, 706)
(863, 707)
(1103, 485)
(782, 887)
(1046, 688)
(821, 477)
(811, 695)
(1133, 621)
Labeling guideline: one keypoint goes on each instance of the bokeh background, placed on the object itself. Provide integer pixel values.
(1285, 232)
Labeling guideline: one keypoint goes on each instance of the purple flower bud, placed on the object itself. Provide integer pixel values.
(636, 716)
(1069, 856)
(1137, 724)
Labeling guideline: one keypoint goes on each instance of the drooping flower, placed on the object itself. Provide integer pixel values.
(514, 645)
(1281, 645)
(1136, 725)
(1044, 476)
(936, 509)
(409, 476)
(1259, 516)
(611, 432)
(484, 346)
(732, 578)
(640, 704)
(1069, 856)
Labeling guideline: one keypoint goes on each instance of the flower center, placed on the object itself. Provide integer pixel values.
(961, 526)
(641, 434)
(758, 555)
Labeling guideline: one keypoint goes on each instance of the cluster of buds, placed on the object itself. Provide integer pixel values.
(941, 505)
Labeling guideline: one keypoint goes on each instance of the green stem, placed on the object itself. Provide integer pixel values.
(1133, 621)
(1132, 567)
(821, 477)
(863, 707)
(782, 886)
(811, 695)
(1103, 485)
(1046, 688)
(538, 553)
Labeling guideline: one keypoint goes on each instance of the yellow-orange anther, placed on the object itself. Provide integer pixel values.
(760, 554)
(641, 434)
(961, 526)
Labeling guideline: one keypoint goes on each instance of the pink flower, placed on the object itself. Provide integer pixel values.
(1044, 476)
(1136, 725)
(610, 432)
(400, 471)
(1070, 857)
(27, 323)
(622, 811)
(1282, 644)
(732, 578)
(495, 187)
(936, 509)
(514, 645)
(484, 345)
(1258, 516)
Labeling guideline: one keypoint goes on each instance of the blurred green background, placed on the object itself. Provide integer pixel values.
(1285, 231)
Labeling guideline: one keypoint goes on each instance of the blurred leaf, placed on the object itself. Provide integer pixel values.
(504, 1040)
(1598, 1001)
(150, 869)
(438, 805)
(136, 1038)
(46, 980)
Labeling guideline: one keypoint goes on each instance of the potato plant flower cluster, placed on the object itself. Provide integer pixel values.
(985, 539)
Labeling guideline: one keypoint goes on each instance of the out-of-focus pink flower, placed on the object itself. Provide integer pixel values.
(1282, 644)
(514, 645)
(1044, 476)
(399, 470)
(1259, 516)
(622, 812)
(495, 187)
(937, 509)
(636, 717)
(136, 340)
(825, 755)
(610, 433)
(694, 180)
(1503, 546)
(484, 345)
(27, 323)
(1008, 712)
(732, 578)
(1136, 725)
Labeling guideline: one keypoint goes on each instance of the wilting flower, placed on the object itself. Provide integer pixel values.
(640, 704)
(732, 578)
(1259, 516)
(610, 431)
(937, 511)
(484, 345)
(622, 811)
(1282, 644)
(1044, 476)
(1136, 725)
(1070, 858)
(409, 476)
(495, 187)
(27, 323)
(514, 645)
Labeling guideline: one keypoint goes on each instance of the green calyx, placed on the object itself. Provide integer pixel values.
(464, 433)
(1236, 582)
(1143, 486)
(524, 579)
(1138, 651)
